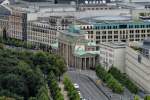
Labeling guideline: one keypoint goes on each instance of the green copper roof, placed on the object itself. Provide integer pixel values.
(81, 53)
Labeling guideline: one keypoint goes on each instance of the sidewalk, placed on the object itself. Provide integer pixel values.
(61, 85)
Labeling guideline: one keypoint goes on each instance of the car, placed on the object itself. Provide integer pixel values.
(76, 86)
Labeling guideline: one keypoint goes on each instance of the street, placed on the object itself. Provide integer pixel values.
(88, 89)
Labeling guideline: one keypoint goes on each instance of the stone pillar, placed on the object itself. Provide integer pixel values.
(94, 62)
(89, 62)
(85, 63)
(76, 65)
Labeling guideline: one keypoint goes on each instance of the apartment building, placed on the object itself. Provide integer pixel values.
(17, 25)
(4, 14)
(41, 33)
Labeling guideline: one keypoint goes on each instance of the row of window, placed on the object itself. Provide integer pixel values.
(121, 26)
(121, 32)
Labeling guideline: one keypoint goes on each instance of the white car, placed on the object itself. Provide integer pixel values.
(76, 85)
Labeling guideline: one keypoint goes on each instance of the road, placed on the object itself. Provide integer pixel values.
(88, 89)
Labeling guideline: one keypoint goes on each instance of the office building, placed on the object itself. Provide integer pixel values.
(137, 67)
(112, 55)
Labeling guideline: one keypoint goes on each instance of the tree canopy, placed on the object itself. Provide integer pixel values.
(21, 73)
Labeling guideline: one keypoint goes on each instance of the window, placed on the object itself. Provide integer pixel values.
(142, 26)
(136, 26)
(137, 31)
(115, 36)
(122, 26)
(130, 26)
(142, 31)
(115, 32)
(109, 32)
(139, 58)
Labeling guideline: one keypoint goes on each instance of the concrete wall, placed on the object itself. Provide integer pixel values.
(138, 71)
(116, 55)
(119, 59)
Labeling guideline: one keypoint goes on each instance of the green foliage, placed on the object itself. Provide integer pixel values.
(24, 44)
(6, 98)
(43, 93)
(136, 97)
(54, 88)
(147, 98)
(109, 80)
(48, 62)
(1, 46)
(32, 98)
(124, 80)
(72, 92)
(21, 73)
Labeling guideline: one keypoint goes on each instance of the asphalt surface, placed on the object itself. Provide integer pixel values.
(88, 89)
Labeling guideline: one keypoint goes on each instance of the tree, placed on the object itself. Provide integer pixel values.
(43, 93)
(32, 98)
(61, 66)
(14, 84)
(136, 97)
(124, 80)
(6, 98)
(1, 46)
(72, 92)
(39, 58)
(54, 88)
(109, 79)
(147, 98)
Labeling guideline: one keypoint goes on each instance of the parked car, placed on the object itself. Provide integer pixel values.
(76, 86)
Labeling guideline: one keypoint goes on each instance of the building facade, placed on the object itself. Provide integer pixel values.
(61, 22)
(116, 32)
(4, 15)
(77, 52)
(102, 33)
(138, 68)
(41, 33)
(112, 55)
(92, 7)
(17, 25)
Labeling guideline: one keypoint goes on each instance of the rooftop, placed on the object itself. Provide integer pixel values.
(146, 44)
(4, 11)
(115, 44)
